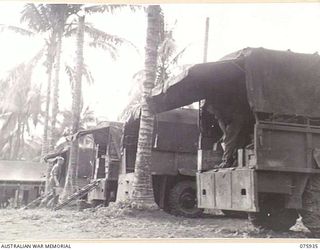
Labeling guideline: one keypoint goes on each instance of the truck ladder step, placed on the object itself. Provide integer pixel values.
(80, 193)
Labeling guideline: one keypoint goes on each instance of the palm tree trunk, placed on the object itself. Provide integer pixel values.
(69, 187)
(45, 143)
(142, 183)
(22, 140)
(45, 139)
(55, 100)
(16, 149)
(50, 56)
(10, 148)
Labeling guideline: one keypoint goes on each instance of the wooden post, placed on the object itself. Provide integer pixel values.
(17, 197)
(206, 40)
(205, 56)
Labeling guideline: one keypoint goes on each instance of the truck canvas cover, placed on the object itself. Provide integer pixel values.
(175, 130)
(101, 134)
(278, 82)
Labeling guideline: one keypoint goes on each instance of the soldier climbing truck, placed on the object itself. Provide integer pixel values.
(174, 160)
(277, 174)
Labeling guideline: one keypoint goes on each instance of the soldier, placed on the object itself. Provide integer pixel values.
(54, 180)
(234, 119)
(56, 172)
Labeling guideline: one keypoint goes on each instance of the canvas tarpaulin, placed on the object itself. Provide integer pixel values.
(101, 135)
(103, 129)
(280, 82)
(283, 82)
(198, 82)
(59, 152)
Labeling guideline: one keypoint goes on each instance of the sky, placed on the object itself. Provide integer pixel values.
(293, 26)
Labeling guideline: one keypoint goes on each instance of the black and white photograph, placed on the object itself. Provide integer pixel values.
(140, 121)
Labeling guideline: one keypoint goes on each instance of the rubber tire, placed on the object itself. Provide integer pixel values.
(310, 212)
(184, 191)
(235, 214)
(280, 220)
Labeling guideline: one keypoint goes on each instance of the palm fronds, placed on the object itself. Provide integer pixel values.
(99, 35)
(87, 74)
(110, 8)
(35, 17)
(110, 48)
(71, 73)
(16, 29)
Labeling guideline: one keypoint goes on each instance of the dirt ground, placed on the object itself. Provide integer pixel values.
(118, 221)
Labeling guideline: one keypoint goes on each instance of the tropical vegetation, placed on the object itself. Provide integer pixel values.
(53, 23)
(22, 97)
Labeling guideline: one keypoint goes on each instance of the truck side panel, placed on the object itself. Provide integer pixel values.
(171, 163)
(227, 189)
(286, 147)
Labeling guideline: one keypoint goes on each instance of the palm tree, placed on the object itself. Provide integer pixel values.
(168, 58)
(55, 21)
(142, 183)
(61, 13)
(76, 103)
(19, 105)
(49, 65)
(38, 23)
(99, 39)
(42, 19)
(63, 26)
(87, 119)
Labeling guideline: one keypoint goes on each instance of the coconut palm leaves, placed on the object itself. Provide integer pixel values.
(87, 119)
(97, 38)
(55, 22)
(42, 19)
(168, 56)
(59, 19)
(19, 106)
(71, 73)
(110, 8)
(167, 61)
(36, 17)
(16, 29)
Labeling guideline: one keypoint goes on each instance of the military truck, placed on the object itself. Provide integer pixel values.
(174, 161)
(277, 176)
(105, 161)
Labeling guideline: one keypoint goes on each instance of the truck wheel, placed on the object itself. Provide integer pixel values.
(310, 212)
(182, 200)
(274, 219)
(235, 214)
